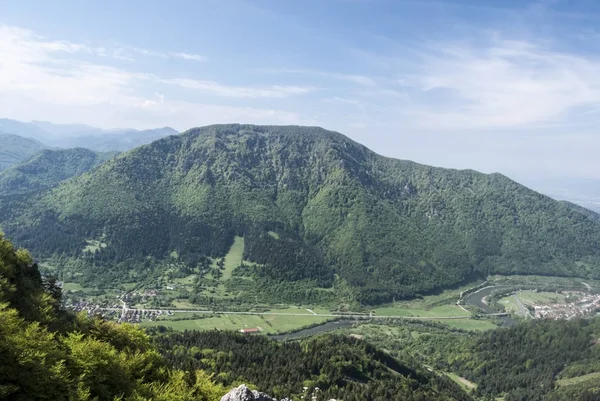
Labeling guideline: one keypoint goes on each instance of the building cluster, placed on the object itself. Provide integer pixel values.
(585, 305)
(137, 315)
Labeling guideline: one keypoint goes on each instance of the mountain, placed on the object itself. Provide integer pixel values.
(48, 168)
(311, 205)
(14, 149)
(84, 136)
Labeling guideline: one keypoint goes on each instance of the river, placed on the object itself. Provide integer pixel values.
(476, 299)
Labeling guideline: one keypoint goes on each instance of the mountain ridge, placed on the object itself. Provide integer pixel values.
(390, 228)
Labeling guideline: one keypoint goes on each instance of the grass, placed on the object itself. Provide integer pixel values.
(578, 379)
(233, 257)
(532, 297)
(93, 245)
(461, 381)
(468, 324)
(510, 304)
(75, 287)
(270, 324)
(408, 310)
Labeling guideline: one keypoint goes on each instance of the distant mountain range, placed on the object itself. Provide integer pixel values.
(15, 149)
(311, 205)
(76, 135)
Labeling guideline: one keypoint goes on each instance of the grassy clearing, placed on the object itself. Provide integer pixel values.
(461, 381)
(268, 323)
(532, 297)
(510, 304)
(418, 310)
(233, 257)
(93, 246)
(468, 324)
(578, 379)
(76, 287)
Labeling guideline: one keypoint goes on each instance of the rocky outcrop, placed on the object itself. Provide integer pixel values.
(243, 393)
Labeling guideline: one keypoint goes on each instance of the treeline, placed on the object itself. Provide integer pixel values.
(341, 367)
(47, 354)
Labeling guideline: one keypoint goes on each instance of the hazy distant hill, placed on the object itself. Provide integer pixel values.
(14, 149)
(78, 135)
(48, 168)
(310, 203)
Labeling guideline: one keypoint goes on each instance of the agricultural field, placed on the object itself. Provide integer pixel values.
(269, 324)
(461, 381)
(417, 309)
(579, 379)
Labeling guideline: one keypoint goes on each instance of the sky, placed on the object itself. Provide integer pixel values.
(498, 86)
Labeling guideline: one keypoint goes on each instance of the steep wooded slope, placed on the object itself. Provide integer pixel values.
(390, 228)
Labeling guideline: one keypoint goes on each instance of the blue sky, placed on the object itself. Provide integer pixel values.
(509, 86)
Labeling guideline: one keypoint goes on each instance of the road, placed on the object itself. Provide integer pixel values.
(353, 316)
(522, 307)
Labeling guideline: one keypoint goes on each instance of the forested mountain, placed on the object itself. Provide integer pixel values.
(14, 149)
(390, 228)
(48, 168)
(84, 136)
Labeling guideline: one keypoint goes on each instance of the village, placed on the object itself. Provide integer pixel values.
(583, 305)
(565, 305)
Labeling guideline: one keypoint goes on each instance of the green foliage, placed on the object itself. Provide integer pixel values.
(342, 367)
(47, 169)
(47, 355)
(16, 148)
(390, 228)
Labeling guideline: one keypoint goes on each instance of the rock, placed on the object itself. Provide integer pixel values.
(243, 393)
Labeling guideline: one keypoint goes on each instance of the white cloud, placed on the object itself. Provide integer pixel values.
(188, 56)
(215, 88)
(505, 84)
(45, 80)
(358, 79)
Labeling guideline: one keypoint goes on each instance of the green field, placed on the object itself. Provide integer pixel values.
(532, 297)
(468, 324)
(268, 323)
(233, 257)
(510, 304)
(461, 381)
(416, 309)
(578, 379)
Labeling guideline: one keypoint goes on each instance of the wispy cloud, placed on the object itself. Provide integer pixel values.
(358, 79)
(188, 56)
(505, 83)
(215, 88)
(39, 82)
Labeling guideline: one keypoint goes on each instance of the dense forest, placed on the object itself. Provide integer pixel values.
(389, 228)
(50, 354)
(341, 367)
(48, 168)
(16, 149)
(533, 360)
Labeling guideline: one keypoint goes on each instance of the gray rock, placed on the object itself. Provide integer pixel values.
(243, 393)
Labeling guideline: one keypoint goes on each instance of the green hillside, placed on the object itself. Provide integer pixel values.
(310, 204)
(15, 149)
(48, 168)
(50, 354)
